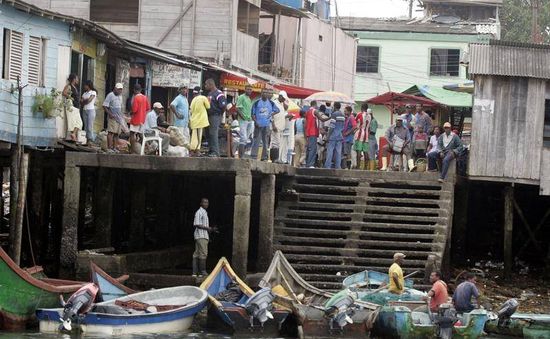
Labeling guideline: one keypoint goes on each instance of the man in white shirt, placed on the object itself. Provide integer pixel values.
(278, 126)
(151, 125)
(201, 235)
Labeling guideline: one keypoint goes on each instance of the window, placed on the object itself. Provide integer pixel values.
(37, 50)
(248, 20)
(445, 62)
(13, 54)
(546, 133)
(368, 58)
(123, 12)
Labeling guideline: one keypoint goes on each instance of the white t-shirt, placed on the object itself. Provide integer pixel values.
(435, 144)
(91, 104)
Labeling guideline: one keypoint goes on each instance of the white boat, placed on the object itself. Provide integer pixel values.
(166, 310)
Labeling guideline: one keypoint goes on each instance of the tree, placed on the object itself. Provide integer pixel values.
(516, 19)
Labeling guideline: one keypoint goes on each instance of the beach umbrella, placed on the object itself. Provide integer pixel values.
(330, 97)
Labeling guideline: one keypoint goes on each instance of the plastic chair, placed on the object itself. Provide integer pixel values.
(155, 137)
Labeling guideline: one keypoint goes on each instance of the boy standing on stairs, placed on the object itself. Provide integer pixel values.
(201, 235)
(395, 274)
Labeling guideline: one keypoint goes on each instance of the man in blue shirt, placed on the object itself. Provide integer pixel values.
(335, 137)
(180, 108)
(462, 298)
(262, 112)
(218, 105)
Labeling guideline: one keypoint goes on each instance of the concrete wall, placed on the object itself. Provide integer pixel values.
(37, 131)
(247, 51)
(286, 38)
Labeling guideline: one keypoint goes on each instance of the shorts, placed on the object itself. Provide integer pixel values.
(113, 126)
(347, 148)
(136, 128)
(201, 248)
(361, 146)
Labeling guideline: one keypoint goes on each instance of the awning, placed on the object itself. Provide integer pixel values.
(236, 82)
(466, 87)
(441, 95)
(394, 99)
(296, 92)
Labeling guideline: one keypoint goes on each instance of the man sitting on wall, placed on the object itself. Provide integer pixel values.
(450, 147)
(151, 125)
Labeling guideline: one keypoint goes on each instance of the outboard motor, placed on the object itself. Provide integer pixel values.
(79, 303)
(259, 306)
(506, 311)
(340, 312)
(445, 320)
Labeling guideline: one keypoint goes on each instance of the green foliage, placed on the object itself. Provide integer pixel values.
(47, 104)
(515, 19)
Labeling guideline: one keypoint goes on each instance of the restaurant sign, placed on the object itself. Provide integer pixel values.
(167, 75)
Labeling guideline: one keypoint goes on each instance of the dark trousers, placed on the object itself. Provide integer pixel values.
(213, 142)
(311, 151)
(261, 134)
(446, 162)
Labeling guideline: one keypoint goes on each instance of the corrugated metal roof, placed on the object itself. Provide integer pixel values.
(522, 60)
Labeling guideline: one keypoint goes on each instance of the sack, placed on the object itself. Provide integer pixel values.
(176, 137)
(398, 144)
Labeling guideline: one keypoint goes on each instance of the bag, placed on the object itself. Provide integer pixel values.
(398, 144)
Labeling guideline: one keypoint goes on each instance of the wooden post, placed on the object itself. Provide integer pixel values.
(137, 214)
(267, 214)
(103, 207)
(508, 229)
(20, 211)
(241, 222)
(69, 228)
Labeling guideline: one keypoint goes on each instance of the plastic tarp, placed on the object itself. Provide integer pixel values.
(441, 95)
(400, 99)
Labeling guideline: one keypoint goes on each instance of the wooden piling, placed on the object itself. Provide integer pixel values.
(69, 228)
(508, 229)
(103, 207)
(267, 215)
(137, 213)
(20, 209)
(241, 222)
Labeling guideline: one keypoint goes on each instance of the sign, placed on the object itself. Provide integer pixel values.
(484, 106)
(234, 82)
(167, 75)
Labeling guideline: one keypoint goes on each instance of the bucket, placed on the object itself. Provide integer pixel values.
(421, 165)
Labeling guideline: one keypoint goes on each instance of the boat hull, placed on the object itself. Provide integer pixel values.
(235, 319)
(316, 325)
(522, 325)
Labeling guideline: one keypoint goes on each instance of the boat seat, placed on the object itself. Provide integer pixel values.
(420, 318)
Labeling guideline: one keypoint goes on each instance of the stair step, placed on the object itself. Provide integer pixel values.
(429, 184)
(354, 224)
(351, 269)
(327, 285)
(383, 253)
(333, 278)
(343, 233)
(401, 218)
(330, 198)
(420, 202)
(405, 192)
(343, 190)
(319, 205)
(338, 243)
(343, 181)
(347, 260)
(398, 210)
(367, 175)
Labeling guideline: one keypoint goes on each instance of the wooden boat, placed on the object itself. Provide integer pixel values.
(370, 280)
(21, 294)
(401, 322)
(167, 310)
(522, 325)
(309, 304)
(109, 288)
(233, 316)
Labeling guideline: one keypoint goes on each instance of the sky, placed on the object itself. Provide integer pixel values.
(372, 8)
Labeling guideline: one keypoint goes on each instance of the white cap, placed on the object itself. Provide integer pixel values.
(283, 94)
(119, 85)
(398, 255)
(157, 105)
(369, 110)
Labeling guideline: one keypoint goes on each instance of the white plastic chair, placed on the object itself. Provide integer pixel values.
(156, 137)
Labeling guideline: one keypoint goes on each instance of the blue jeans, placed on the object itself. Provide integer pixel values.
(213, 143)
(246, 131)
(260, 134)
(334, 146)
(446, 162)
(311, 151)
(88, 117)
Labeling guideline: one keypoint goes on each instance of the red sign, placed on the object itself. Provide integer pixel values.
(230, 81)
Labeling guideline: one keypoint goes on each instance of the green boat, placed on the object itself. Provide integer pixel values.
(524, 325)
(21, 294)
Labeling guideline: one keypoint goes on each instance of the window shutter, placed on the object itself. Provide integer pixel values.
(35, 61)
(15, 54)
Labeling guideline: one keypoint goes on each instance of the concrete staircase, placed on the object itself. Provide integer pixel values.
(347, 221)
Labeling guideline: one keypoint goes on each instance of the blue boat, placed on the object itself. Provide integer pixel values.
(167, 310)
(109, 288)
(238, 316)
(370, 280)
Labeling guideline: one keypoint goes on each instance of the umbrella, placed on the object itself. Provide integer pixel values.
(330, 97)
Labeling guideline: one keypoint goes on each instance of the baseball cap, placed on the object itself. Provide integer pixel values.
(157, 105)
(283, 94)
(182, 87)
(119, 85)
(197, 89)
(398, 255)
(447, 125)
(399, 118)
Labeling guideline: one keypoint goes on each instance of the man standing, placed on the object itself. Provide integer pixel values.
(151, 125)
(362, 136)
(279, 121)
(422, 119)
(218, 105)
(350, 127)
(462, 298)
(140, 106)
(115, 120)
(198, 120)
(246, 125)
(180, 108)
(398, 143)
(262, 113)
(201, 235)
(300, 140)
(438, 293)
(395, 274)
(408, 120)
(312, 132)
(335, 138)
(450, 147)
(373, 143)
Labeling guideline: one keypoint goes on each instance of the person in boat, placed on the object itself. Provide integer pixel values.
(438, 293)
(462, 298)
(395, 274)
(201, 235)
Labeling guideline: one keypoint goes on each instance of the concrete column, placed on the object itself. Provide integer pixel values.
(241, 222)
(267, 215)
(103, 207)
(69, 230)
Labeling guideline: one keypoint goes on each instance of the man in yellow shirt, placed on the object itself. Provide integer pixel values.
(395, 273)
(199, 120)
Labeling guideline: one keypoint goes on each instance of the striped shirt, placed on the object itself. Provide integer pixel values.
(363, 124)
(201, 218)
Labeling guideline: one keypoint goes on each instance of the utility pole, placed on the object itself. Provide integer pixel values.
(535, 31)
(411, 5)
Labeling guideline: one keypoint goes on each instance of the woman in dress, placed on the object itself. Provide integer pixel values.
(72, 94)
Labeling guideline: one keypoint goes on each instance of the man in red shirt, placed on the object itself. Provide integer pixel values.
(140, 107)
(312, 132)
(438, 294)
